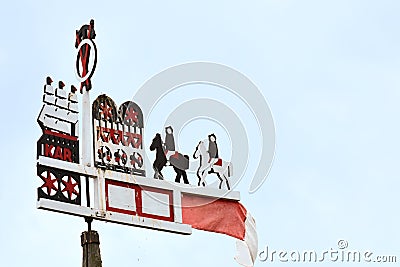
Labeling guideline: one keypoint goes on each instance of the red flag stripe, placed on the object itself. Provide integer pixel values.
(220, 216)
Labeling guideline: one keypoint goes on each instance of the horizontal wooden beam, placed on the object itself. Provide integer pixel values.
(129, 178)
(170, 185)
(136, 221)
(68, 166)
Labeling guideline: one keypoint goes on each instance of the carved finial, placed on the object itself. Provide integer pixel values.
(61, 85)
(73, 89)
(48, 80)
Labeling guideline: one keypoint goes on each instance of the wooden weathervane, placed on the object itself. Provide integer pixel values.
(106, 179)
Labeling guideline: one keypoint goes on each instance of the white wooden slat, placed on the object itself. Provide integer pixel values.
(113, 217)
(76, 128)
(62, 103)
(56, 124)
(150, 182)
(48, 89)
(177, 201)
(155, 203)
(68, 166)
(41, 115)
(59, 113)
(61, 93)
(49, 99)
(121, 197)
(73, 97)
(162, 184)
(73, 107)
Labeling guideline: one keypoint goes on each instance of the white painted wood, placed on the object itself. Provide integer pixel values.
(73, 107)
(60, 113)
(211, 192)
(177, 202)
(96, 194)
(73, 97)
(121, 197)
(163, 184)
(48, 89)
(68, 166)
(149, 223)
(49, 99)
(76, 129)
(86, 129)
(61, 93)
(62, 103)
(150, 182)
(62, 207)
(41, 115)
(155, 203)
(56, 124)
(137, 221)
(100, 185)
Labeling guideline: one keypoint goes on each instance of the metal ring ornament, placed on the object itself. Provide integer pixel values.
(89, 73)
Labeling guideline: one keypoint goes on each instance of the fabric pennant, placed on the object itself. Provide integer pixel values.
(225, 217)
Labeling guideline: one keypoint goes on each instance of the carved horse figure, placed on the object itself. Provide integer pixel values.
(161, 160)
(222, 168)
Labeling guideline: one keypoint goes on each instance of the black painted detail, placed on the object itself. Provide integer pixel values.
(59, 185)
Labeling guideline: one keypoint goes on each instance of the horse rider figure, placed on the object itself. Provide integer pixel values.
(212, 150)
(169, 144)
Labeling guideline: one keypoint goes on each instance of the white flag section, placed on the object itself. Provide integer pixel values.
(226, 217)
(247, 248)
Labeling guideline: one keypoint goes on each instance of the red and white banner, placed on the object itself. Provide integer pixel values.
(225, 217)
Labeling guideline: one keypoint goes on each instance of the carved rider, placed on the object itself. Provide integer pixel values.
(169, 144)
(212, 148)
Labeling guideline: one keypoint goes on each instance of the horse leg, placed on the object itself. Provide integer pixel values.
(156, 172)
(226, 174)
(185, 180)
(159, 171)
(157, 167)
(198, 176)
(220, 180)
(201, 178)
(160, 175)
(227, 182)
(178, 175)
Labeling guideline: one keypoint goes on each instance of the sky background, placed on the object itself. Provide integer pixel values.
(328, 69)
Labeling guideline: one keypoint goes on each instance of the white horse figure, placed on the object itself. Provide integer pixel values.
(222, 168)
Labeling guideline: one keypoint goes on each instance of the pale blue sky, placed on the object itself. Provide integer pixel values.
(328, 69)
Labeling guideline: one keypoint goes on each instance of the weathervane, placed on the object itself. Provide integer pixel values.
(111, 161)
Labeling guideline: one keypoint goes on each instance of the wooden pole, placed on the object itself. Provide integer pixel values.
(91, 249)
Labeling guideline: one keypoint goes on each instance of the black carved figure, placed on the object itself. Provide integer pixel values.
(169, 139)
(161, 161)
(212, 146)
(212, 150)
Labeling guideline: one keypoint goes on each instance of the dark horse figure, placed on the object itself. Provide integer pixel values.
(161, 161)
